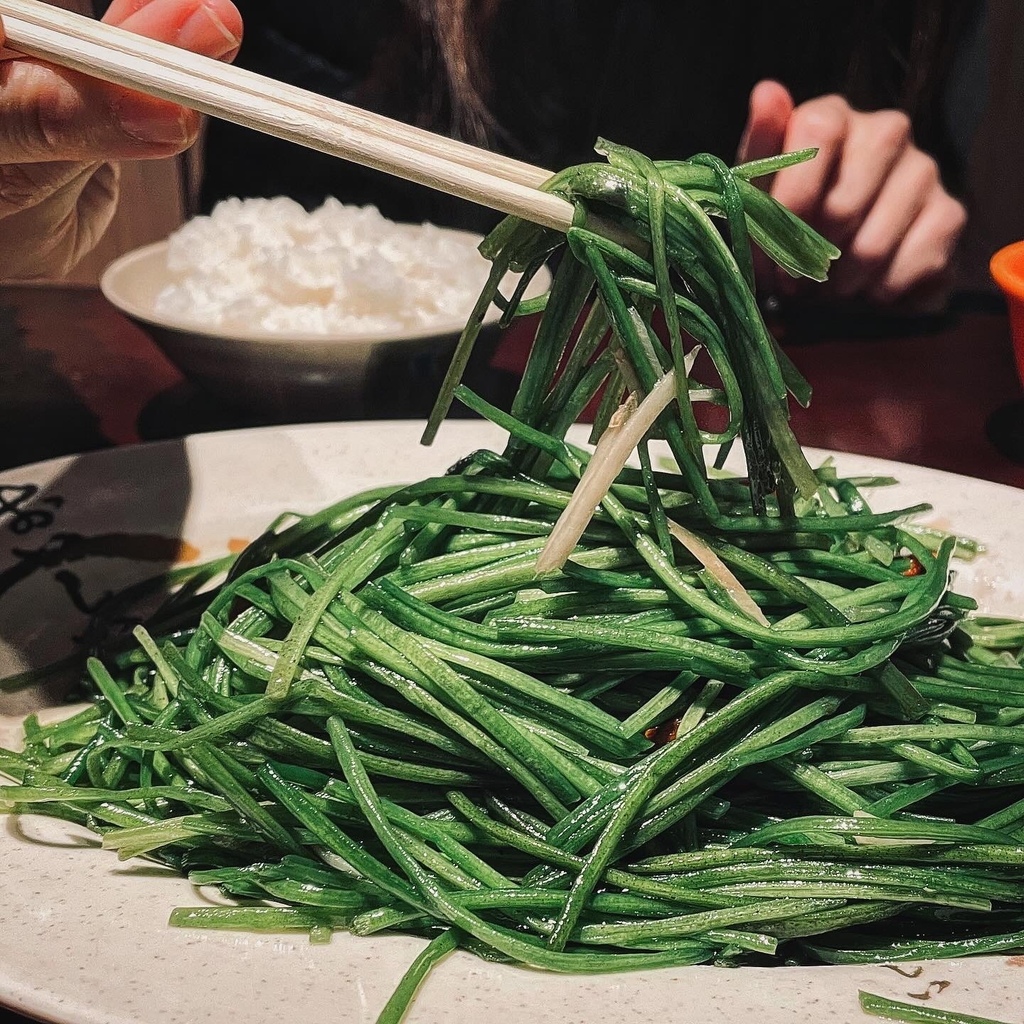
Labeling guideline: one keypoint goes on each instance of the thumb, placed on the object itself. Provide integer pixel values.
(53, 114)
(5, 54)
(50, 113)
(771, 107)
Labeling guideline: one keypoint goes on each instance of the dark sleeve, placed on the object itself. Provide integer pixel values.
(669, 77)
(327, 47)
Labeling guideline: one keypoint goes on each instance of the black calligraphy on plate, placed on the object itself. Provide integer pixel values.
(23, 512)
(20, 519)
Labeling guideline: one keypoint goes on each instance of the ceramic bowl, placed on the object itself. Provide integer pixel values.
(289, 375)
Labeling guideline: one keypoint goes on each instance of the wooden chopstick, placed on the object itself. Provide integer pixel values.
(44, 16)
(287, 112)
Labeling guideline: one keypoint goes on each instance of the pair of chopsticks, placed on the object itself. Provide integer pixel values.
(296, 115)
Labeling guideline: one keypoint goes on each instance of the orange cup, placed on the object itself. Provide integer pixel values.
(1007, 268)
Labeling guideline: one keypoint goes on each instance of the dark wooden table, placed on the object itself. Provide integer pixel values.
(75, 376)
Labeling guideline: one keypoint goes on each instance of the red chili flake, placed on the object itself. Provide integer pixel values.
(915, 568)
(659, 735)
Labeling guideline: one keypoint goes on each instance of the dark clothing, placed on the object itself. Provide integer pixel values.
(665, 76)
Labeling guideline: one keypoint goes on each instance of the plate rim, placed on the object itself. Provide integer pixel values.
(410, 428)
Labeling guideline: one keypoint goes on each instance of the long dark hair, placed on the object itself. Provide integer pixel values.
(434, 68)
(902, 53)
(878, 53)
(542, 79)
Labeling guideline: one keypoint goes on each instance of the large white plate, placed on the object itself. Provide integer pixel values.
(84, 938)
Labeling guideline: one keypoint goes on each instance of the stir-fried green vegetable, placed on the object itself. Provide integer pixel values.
(727, 720)
(893, 1009)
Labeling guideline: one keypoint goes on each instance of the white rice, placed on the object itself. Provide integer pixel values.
(267, 263)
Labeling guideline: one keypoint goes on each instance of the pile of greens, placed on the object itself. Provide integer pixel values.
(680, 718)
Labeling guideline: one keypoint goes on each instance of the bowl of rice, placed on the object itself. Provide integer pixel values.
(304, 313)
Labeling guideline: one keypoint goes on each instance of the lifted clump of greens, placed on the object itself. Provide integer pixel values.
(568, 713)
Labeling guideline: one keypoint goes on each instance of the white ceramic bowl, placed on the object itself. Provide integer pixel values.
(305, 375)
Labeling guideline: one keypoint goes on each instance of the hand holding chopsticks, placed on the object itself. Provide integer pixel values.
(114, 55)
(49, 114)
(60, 132)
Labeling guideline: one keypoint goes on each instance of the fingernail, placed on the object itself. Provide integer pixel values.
(203, 32)
(153, 122)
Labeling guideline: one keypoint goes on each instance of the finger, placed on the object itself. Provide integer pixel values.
(53, 114)
(897, 206)
(926, 253)
(119, 10)
(210, 27)
(820, 124)
(770, 109)
(45, 240)
(23, 185)
(930, 296)
(5, 54)
(874, 146)
(49, 113)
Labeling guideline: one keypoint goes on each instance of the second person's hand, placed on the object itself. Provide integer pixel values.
(870, 190)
